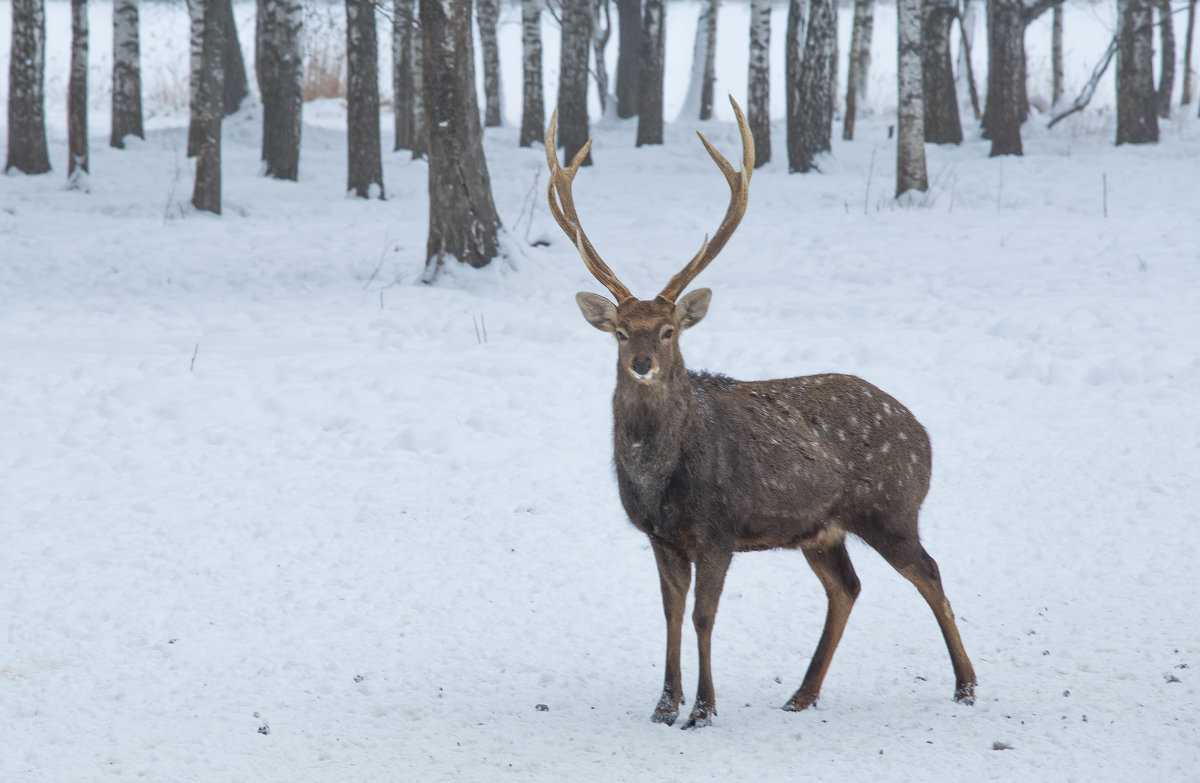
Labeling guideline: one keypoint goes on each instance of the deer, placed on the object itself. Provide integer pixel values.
(708, 466)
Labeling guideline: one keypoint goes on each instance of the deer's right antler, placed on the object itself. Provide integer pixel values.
(568, 219)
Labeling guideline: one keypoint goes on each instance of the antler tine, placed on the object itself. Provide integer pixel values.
(558, 192)
(739, 191)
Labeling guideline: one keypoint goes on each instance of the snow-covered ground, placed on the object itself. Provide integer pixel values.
(272, 510)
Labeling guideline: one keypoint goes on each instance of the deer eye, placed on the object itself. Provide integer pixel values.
(667, 334)
(621, 336)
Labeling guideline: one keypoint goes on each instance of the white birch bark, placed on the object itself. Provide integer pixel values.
(910, 126)
(703, 58)
(127, 74)
(758, 108)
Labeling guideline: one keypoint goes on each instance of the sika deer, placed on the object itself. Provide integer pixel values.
(708, 466)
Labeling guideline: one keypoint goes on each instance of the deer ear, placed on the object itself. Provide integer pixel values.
(692, 307)
(598, 311)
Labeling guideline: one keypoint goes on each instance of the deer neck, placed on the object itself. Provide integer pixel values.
(650, 421)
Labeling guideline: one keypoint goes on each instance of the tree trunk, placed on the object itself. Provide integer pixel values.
(402, 73)
(420, 132)
(700, 81)
(942, 124)
(489, 11)
(278, 60)
(26, 73)
(1005, 109)
(1056, 55)
(1166, 79)
(533, 110)
(793, 46)
(236, 88)
(813, 128)
(462, 217)
(77, 124)
(650, 75)
(362, 100)
(965, 72)
(1137, 102)
(209, 109)
(910, 133)
(601, 31)
(758, 107)
(127, 74)
(859, 63)
(573, 77)
(1188, 75)
(629, 54)
(196, 11)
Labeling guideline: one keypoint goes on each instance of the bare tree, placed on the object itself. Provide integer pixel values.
(420, 137)
(402, 73)
(859, 63)
(1188, 74)
(489, 11)
(629, 54)
(1006, 100)
(965, 73)
(1137, 102)
(463, 223)
(235, 86)
(533, 111)
(362, 100)
(942, 124)
(650, 75)
(196, 16)
(601, 32)
(1166, 79)
(26, 72)
(810, 132)
(793, 45)
(910, 131)
(278, 60)
(77, 120)
(127, 74)
(573, 75)
(698, 102)
(758, 107)
(208, 110)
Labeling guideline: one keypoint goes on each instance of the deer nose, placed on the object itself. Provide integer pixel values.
(641, 364)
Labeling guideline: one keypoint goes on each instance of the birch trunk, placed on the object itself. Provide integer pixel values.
(813, 128)
(280, 81)
(1006, 109)
(793, 66)
(533, 110)
(402, 73)
(420, 132)
(964, 78)
(462, 216)
(910, 131)
(362, 101)
(859, 63)
(600, 35)
(196, 11)
(629, 54)
(1137, 102)
(77, 124)
(26, 74)
(209, 110)
(127, 74)
(489, 11)
(1056, 55)
(698, 102)
(758, 107)
(1166, 79)
(235, 88)
(650, 75)
(573, 77)
(1188, 74)
(942, 123)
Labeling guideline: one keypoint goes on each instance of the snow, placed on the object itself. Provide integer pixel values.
(274, 510)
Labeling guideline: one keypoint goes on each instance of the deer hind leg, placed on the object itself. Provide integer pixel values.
(832, 566)
(711, 567)
(912, 561)
(674, 575)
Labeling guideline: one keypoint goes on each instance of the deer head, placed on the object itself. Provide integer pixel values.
(647, 331)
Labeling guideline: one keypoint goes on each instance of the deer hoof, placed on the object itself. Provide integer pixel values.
(965, 694)
(666, 716)
(800, 702)
(701, 716)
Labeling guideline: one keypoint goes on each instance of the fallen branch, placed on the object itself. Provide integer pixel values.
(1089, 89)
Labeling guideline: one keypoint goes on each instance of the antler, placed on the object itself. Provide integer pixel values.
(739, 188)
(568, 219)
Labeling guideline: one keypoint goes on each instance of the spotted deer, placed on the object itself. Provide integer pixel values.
(708, 466)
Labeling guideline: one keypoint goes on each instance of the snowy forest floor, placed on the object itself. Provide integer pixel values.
(273, 510)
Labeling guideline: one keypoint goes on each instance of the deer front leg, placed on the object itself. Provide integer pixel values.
(675, 576)
(710, 579)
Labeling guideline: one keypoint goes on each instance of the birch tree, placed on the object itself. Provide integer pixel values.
(533, 111)
(858, 63)
(365, 170)
(402, 73)
(77, 124)
(209, 109)
(1137, 102)
(420, 137)
(601, 32)
(196, 13)
(234, 87)
(810, 132)
(26, 73)
(127, 74)
(793, 46)
(629, 54)
(699, 98)
(1166, 79)
(1056, 55)
(1006, 99)
(1188, 74)
(463, 223)
(910, 131)
(650, 74)
(489, 11)
(573, 77)
(940, 98)
(278, 64)
(758, 109)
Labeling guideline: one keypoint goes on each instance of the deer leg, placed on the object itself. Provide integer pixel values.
(674, 576)
(710, 579)
(915, 565)
(832, 566)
